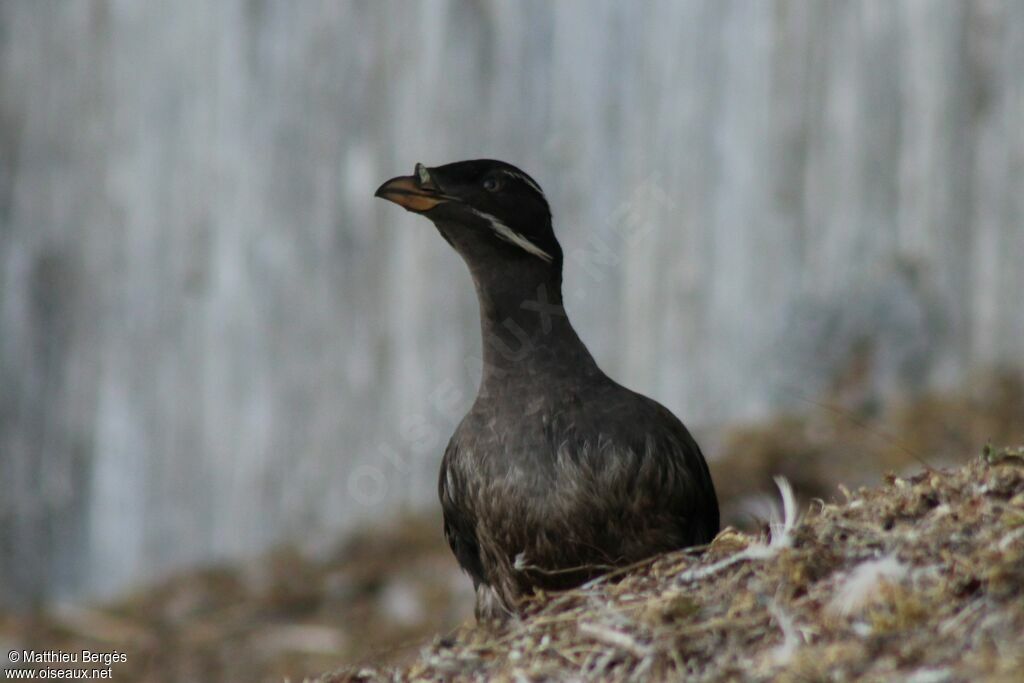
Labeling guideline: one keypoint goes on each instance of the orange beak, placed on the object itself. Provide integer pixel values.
(417, 193)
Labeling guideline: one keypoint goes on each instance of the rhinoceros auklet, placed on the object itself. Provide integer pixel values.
(557, 473)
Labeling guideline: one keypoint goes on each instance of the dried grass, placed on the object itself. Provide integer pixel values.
(921, 579)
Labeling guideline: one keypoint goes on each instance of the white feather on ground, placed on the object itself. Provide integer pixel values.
(782, 537)
(864, 583)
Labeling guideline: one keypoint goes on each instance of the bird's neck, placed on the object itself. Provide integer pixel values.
(526, 334)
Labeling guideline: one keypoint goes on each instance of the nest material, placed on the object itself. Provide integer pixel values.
(921, 579)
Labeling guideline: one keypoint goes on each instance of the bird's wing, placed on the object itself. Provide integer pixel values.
(647, 463)
(459, 522)
(704, 504)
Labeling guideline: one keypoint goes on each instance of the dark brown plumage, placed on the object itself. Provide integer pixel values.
(557, 473)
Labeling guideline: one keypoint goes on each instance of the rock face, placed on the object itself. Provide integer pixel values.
(211, 337)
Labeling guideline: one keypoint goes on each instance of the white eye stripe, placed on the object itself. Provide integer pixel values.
(526, 180)
(509, 235)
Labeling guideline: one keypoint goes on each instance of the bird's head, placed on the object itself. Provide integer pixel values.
(489, 211)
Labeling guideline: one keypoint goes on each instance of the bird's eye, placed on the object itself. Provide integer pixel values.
(491, 184)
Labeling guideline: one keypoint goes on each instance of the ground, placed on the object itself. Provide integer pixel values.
(920, 579)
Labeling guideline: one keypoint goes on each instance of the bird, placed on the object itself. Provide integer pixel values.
(557, 474)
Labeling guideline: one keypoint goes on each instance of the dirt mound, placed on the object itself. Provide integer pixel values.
(921, 579)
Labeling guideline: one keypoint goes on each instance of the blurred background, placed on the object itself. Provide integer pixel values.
(799, 225)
